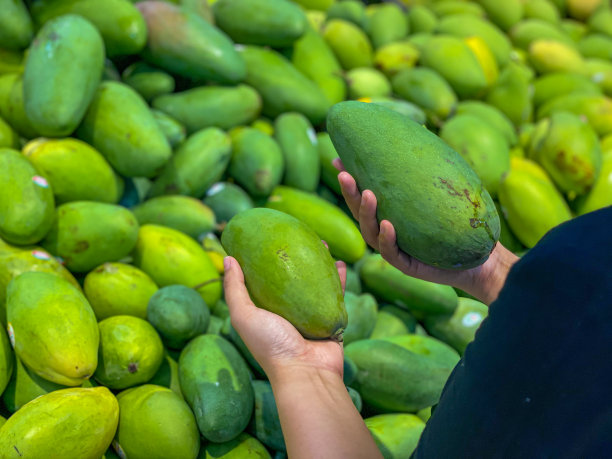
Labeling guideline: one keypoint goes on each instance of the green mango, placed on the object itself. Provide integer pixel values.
(595, 108)
(349, 43)
(53, 327)
(421, 19)
(257, 162)
(119, 124)
(274, 23)
(26, 202)
(86, 234)
(542, 9)
(265, 242)
(297, 141)
(319, 5)
(202, 8)
(329, 222)
(171, 257)
(75, 171)
(550, 56)
(185, 44)
(149, 82)
(581, 9)
(197, 163)
(512, 95)
(491, 116)
(355, 398)
(151, 420)
(226, 200)
(8, 137)
(367, 82)
(174, 132)
(408, 109)
(46, 426)
(353, 284)
(386, 25)
(600, 71)
(506, 236)
(600, 195)
(265, 424)
(11, 61)
(396, 56)
(424, 414)
(553, 85)
(214, 326)
(503, 14)
(208, 106)
(167, 375)
(16, 31)
(407, 318)
(527, 31)
(390, 284)
(445, 8)
(349, 10)
(6, 361)
(215, 383)
(596, 45)
(12, 107)
(365, 134)
(599, 20)
(327, 153)
(349, 371)
(119, 22)
(387, 325)
(574, 29)
(282, 86)
(242, 447)
(131, 290)
(396, 435)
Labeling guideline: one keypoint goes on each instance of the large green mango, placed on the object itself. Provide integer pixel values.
(361, 310)
(12, 107)
(15, 25)
(26, 201)
(75, 423)
(288, 271)
(242, 447)
(453, 223)
(396, 435)
(596, 109)
(265, 424)
(171, 257)
(155, 423)
(62, 71)
(6, 361)
(53, 327)
(215, 382)
(86, 234)
(185, 44)
(349, 43)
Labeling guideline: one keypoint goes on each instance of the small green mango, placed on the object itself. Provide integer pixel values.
(350, 10)
(387, 24)
(387, 325)
(395, 56)
(242, 447)
(367, 82)
(226, 200)
(16, 29)
(553, 85)
(349, 43)
(596, 109)
(421, 19)
(550, 56)
(148, 81)
(396, 435)
(12, 107)
(596, 45)
(573, 29)
(598, 18)
(542, 9)
(8, 136)
(265, 424)
(174, 131)
(513, 95)
(503, 14)
(492, 116)
(6, 361)
(529, 30)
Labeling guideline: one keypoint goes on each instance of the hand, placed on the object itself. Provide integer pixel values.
(483, 282)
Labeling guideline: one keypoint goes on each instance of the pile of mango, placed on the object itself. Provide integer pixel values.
(131, 133)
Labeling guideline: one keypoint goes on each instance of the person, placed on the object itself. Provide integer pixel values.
(535, 381)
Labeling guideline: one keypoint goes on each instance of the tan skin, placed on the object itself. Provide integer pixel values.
(322, 422)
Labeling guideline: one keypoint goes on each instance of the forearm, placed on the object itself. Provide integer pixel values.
(318, 417)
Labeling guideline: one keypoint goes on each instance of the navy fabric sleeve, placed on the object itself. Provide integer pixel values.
(536, 382)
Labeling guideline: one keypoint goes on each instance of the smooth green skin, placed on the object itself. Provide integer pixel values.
(6, 361)
(8, 137)
(549, 56)
(242, 447)
(54, 328)
(288, 271)
(350, 10)
(130, 352)
(185, 44)
(596, 109)
(314, 58)
(390, 284)
(387, 325)
(532, 206)
(386, 25)
(421, 19)
(16, 29)
(168, 376)
(529, 30)
(596, 45)
(182, 213)
(492, 116)
(361, 310)
(226, 200)
(396, 435)
(505, 14)
(174, 131)
(367, 82)
(275, 23)
(453, 222)
(197, 163)
(600, 21)
(12, 107)
(349, 43)
(178, 313)
(600, 71)
(402, 314)
(283, 88)
(131, 290)
(506, 236)
(427, 346)
(445, 8)
(458, 330)
(542, 9)
(215, 383)
(424, 414)
(297, 140)
(553, 85)
(408, 109)
(568, 149)
(574, 29)
(512, 95)
(327, 220)
(257, 162)
(62, 71)
(155, 423)
(265, 424)
(319, 5)
(119, 22)
(396, 56)
(171, 257)
(86, 234)
(149, 82)
(600, 195)
(327, 153)
(211, 106)
(75, 170)
(353, 284)
(427, 89)
(75, 423)
(395, 378)
(26, 207)
(120, 125)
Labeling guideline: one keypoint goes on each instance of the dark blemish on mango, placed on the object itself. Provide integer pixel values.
(81, 246)
(133, 367)
(449, 187)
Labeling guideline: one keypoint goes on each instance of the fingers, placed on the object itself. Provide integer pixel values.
(387, 243)
(350, 192)
(367, 219)
(342, 273)
(337, 163)
(236, 294)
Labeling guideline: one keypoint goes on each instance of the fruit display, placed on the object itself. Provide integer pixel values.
(143, 141)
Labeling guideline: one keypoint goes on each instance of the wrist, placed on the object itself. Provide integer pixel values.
(289, 375)
(488, 281)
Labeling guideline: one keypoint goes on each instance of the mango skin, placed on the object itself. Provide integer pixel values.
(75, 423)
(174, 132)
(12, 107)
(600, 195)
(6, 361)
(265, 424)
(349, 43)
(226, 200)
(513, 95)
(288, 271)
(365, 134)
(148, 81)
(16, 29)
(396, 435)
(242, 447)
(492, 116)
(26, 203)
(54, 328)
(167, 375)
(596, 109)
(387, 325)
(327, 153)
(8, 136)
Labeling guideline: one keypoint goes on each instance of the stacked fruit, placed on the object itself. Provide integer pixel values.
(131, 134)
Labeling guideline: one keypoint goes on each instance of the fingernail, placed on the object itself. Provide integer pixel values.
(227, 263)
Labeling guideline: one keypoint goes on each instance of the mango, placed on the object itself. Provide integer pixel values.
(395, 56)
(573, 29)
(11, 61)
(542, 9)
(444, 8)
(264, 125)
(208, 106)
(350, 10)
(353, 284)
(6, 361)
(216, 385)
(361, 310)
(553, 85)
(506, 236)
(327, 153)
(288, 271)
(596, 109)
(26, 202)
(485, 58)
(148, 81)
(549, 56)
(527, 31)
(367, 82)
(596, 45)
(174, 132)
(151, 420)
(242, 447)
(226, 200)
(185, 44)
(386, 25)
(491, 116)
(119, 124)
(53, 327)
(408, 109)
(387, 325)
(320, 5)
(86, 234)
(513, 95)
(600, 195)
(331, 224)
(349, 43)
(421, 19)
(8, 137)
(12, 107)
(131, 290)
(582, 9)
(213, 248)
(396, 435)
(600, 20)
(364, 134)
(505, 14)
(46, 426)
(16, 29)
(600, 71)
(265, 424)
(167, 375)
(171, 257)
(355, 398)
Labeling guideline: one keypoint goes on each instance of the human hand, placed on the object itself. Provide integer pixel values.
(483, 282)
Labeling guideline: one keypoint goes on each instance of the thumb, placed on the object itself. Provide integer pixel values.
(236, 294)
